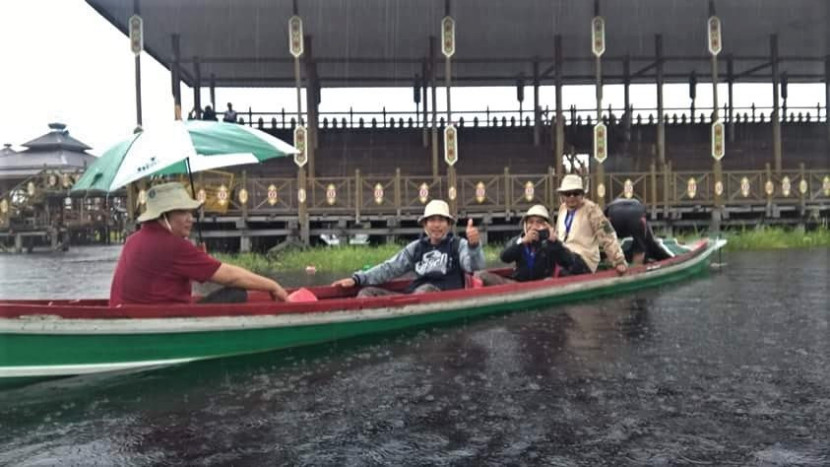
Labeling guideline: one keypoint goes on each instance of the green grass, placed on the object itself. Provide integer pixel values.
(351, 258)
(772, 238)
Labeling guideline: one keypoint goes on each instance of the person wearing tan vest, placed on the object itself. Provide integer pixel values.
(581, 230)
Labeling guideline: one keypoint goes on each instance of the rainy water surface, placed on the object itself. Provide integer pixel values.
(727, 369)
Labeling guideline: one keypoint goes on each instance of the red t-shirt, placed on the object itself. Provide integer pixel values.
(156, 267)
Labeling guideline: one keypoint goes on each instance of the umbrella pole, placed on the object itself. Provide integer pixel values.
(193, 190)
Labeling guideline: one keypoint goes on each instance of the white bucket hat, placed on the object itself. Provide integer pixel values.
(538, 211)
(436, 207)
(571, 183)
(165, 198)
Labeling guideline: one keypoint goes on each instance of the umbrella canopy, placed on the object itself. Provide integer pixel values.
(166, 151)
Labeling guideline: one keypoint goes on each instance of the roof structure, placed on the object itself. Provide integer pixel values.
(385, 42)
(54, 150)
(7, 150)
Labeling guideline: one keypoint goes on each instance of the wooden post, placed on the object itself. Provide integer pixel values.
(550, 198)
(627, 97)
(245, 205)
(358, 195)
(508, 202)
(138, 113)
(653, 191)
(537, 123)
(197, 89)
(666, 189)
(311, 106)
(425, 70)
(730, 80)
(776, 117)
(434, 108)
(560, 116)
(213, 91)
(245, 239)
(769, 195)
(661, 124)
(175, 71)
(716, 165)
(305, 234)
(826, 96)
(398, 191)
(599, 189)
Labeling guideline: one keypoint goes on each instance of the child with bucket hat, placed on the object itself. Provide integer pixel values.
(531, 251)
(158, 262)
(581, 230)
(439, 259)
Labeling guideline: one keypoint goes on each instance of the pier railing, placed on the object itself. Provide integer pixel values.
(508, 193)
(573, 115)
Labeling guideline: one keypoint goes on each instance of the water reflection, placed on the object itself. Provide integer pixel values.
(725, 369)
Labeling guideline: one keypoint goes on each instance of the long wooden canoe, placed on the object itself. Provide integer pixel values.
(57, 338)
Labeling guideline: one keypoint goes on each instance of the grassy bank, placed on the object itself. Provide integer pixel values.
(772, 238)
(350, 258)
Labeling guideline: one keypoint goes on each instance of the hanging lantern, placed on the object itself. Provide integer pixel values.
(769, 188)
(786, 186)
(52, 181)
(4, 206)
(30, 188)
(378, 194)
(66, 181)
(452, 193)
(530, 191)
(601, 190)
(600, 142)
(691, 187)
(272, 194)
(628, 188)
(450, 145)
(423, 193)
(331, 194)
(803, 187)
(201, 195)
(718, 188)
(481, 192)
(745, 187)
(222, 195)
(825, 185)
(301, 196)
(142, 197)
(243, 196)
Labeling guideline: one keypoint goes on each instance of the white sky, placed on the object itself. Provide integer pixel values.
(61, 61)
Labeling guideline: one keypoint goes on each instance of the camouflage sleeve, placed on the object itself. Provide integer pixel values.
(605, 235)
(392, 268)
(471, 258)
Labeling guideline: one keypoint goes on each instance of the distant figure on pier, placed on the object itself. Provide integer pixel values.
(229, 115)
(194, 113)
(581, 230)
(209, 114)
(158, 262)
(531, 251)
(628, 216)
(439, 259)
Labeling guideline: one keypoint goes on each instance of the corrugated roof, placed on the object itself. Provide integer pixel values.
(383, 42)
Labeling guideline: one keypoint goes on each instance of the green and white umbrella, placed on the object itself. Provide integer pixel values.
(167, 150)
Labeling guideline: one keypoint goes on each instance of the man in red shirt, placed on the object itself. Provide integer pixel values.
(158, 262)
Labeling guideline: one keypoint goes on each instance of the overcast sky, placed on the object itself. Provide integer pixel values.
(63, 62)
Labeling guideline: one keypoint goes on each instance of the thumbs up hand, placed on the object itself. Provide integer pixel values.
(472, 234)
